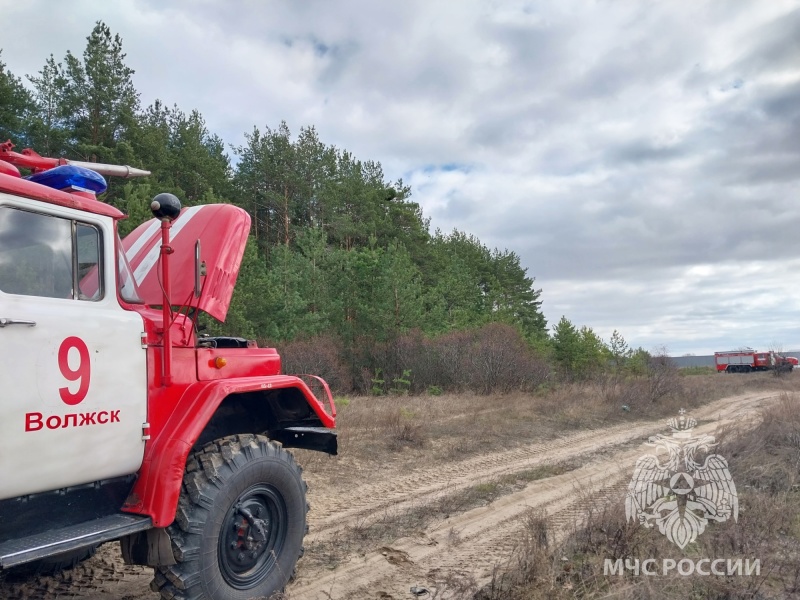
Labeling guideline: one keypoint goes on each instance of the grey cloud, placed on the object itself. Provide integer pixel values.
(775, 44)
(785, 103)
(339, 59)
(637, 151)
(616, 147)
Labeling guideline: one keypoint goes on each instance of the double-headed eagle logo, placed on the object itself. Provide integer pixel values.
(681, 495)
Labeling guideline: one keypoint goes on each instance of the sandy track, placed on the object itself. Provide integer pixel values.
(360, 505)
(471, 543)
(475, 542)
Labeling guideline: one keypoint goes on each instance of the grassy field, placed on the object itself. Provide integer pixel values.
(764, 461)
(430, 429)
(401, 434)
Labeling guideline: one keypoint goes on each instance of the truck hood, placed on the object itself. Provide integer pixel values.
(222, 230)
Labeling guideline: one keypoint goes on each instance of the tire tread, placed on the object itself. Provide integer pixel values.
(206, 472)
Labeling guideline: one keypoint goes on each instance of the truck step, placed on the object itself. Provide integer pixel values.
(57, 541)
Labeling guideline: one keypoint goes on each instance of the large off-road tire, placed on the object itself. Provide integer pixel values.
(240, 522)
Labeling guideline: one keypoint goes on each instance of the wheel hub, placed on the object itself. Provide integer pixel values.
(253, 534)
(248, 535)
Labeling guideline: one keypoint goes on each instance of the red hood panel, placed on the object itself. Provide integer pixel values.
(222, 230)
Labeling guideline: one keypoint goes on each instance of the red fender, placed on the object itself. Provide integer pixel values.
(158, 486)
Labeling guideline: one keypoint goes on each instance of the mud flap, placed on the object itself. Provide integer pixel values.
(151, 548)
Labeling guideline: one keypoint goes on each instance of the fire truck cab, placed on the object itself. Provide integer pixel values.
(118, 421)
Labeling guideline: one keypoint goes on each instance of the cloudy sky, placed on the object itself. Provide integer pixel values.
(642, 158)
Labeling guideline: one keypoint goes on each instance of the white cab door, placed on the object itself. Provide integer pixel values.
(73, 382)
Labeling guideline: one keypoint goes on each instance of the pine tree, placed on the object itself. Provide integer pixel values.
(49, 128)
(100, 101)
(566, 341)
(16, 106)
(619, 351)
(512, 298)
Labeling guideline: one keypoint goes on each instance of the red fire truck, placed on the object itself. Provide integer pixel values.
(747, 360)
(118, 421)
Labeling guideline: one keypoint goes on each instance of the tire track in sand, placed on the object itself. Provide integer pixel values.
(367, 502)
(474, 542)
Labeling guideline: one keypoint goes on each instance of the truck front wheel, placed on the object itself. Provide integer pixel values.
(239, 528)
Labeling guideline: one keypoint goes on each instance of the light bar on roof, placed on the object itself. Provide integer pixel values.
(71, 177)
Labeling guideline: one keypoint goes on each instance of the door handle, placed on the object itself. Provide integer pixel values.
(6, 322)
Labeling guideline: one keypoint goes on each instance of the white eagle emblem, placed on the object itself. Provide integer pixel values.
(681, 496)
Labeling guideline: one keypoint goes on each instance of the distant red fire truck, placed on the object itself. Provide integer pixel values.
(748, 360)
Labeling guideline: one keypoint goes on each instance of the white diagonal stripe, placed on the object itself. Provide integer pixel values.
(152, 257)
(154, 225)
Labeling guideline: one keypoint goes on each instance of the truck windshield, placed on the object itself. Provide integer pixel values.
(128, 290)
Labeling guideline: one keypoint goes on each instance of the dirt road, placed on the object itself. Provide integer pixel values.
(463, 546)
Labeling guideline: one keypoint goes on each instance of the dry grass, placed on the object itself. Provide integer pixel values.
(421, 431)
(379, 436)
(765, 464)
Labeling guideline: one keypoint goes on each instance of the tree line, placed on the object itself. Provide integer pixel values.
(336, 251)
